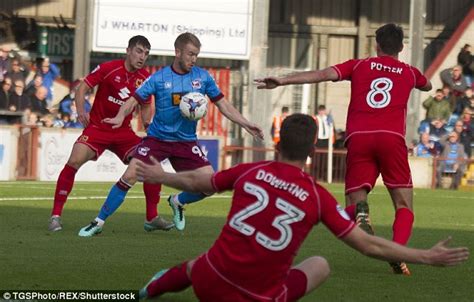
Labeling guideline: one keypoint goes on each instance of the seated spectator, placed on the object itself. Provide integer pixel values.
(4, 62)
(18, 71)
(38, 101)
(437, 130)
(49, 72)
(465, 59)
(466, 136)
(5, 93)
(31, 119)
(33, 85)
(454, 79)
(463, 102)
(436, 107)
(426, 148)
(18, 100)
(453, 161)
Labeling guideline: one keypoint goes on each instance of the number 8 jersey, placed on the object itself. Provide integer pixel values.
(380, 90)
(274, 207)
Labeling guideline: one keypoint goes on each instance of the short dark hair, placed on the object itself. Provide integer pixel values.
(390, 38)
(297, 136)
(285, 109)
(186, 38)
(321, 107)
(139, 40)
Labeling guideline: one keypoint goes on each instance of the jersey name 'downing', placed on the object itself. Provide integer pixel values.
(274, 207)
(116, 85)
(168, 87)
(380, 88)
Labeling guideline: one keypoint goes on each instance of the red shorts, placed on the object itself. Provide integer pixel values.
(209, 286)
(182, 155)
(122, 142)
(369, 155)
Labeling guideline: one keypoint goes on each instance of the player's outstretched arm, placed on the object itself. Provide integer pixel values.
(304, 77)
(191, 181)
(234, 115)
(125, 110)
(82, 115)
(380, 248)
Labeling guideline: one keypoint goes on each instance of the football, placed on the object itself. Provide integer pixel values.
(193, 106)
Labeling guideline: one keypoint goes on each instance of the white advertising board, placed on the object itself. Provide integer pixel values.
(6, 159)
(55, 150)
(223, 26)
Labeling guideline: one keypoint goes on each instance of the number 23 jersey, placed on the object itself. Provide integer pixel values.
(380, 88)
(274, 207)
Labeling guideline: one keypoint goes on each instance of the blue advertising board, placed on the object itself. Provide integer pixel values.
(210, 147)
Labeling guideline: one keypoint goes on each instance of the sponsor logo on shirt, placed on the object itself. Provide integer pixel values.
(124, 93)
(117, 79)
(196, 84)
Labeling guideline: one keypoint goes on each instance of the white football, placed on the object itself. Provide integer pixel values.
(193, 106)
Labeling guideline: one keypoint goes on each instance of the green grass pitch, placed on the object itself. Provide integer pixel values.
(31, 258)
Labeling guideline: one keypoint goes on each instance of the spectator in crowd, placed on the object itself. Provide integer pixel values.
(276, 124)
(49, 72)
(465, 59)
(437, 107)
(5, 93)
(426, 148)
(454, 79)
(437, 130)
(452, 161)
(324, 122)
(340, 138)
(18, 100)
(18, 70)
(4, 62)
(38, 101)
(466, 136)
(463, 102)
(31, 118)
(34, 85)
(467, 120)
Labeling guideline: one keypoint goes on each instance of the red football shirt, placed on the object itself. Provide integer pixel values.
(274, 207)
(380, 88)
(116, 85)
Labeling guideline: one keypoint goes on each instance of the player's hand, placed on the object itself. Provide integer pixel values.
(268, 83)
(442, 255)
(83, 118)
(254, 130)
(116, 122)
(149, 173)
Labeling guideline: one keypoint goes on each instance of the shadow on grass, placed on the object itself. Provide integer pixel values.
(125, 257)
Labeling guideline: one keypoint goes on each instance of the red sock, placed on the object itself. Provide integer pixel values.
(174, 280)
(350, 210)
(63, 188)
(152, 196)
(402, 225)
(296, 283)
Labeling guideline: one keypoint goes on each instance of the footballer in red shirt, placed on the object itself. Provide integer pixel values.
(274, 207)
(116, 80)
(376, 121)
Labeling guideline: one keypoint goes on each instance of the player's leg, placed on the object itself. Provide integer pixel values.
(113, 201)
(306, 277)
(397, 178)
(125, 148)
(361, 174)
(188, 156)
(174, 279)
(80, 154)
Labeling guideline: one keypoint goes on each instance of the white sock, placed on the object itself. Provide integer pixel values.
(100, 222)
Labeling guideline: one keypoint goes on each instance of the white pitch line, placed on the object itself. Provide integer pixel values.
(91, 197)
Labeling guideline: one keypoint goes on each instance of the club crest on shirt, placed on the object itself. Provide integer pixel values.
(196, 84)
(143, 151)
(83, 138)
(138, 83)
